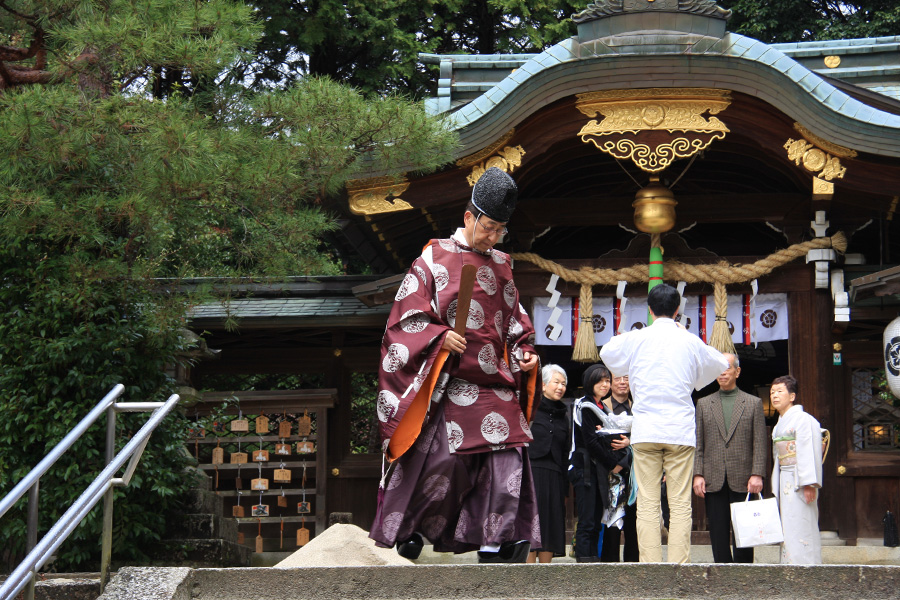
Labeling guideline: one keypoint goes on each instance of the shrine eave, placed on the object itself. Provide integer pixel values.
(734, 62)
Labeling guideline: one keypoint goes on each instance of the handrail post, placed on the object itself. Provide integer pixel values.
(106, 546)
(31, 532)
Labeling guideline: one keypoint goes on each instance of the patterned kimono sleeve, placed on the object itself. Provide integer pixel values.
(412, 339)
(809, 451)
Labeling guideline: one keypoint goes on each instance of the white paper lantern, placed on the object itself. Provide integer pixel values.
(892, 355)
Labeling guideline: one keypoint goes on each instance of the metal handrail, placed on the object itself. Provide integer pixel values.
(102, 487)
(42, 467)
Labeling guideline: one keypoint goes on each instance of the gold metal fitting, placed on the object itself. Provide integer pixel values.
(654, 207)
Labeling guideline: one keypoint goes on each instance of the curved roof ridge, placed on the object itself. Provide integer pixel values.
(837, 108)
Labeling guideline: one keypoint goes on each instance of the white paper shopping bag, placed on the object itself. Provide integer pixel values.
(756, 523)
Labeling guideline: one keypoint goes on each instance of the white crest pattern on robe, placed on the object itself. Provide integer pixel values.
(481, 383)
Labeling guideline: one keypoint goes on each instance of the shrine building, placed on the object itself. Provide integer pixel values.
(768, 174)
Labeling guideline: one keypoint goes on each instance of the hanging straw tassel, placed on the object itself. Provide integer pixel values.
(721, 337)
(585, 349)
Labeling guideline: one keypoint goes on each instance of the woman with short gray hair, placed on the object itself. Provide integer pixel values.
(548, 454)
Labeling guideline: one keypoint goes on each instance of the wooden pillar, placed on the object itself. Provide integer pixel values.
(810, 351)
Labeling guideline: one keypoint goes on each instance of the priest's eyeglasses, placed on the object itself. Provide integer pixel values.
(493, 230)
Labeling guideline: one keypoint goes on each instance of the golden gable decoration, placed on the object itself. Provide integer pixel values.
(644, 125)
(507, 159)
(371, 196)
(818, 156)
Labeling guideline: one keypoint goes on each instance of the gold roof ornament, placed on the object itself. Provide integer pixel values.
(653, 126)
(377, 195)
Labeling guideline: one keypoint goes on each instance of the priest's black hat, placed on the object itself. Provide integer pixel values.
(495, 195)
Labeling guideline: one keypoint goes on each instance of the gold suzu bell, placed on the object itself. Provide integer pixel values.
(654, 207)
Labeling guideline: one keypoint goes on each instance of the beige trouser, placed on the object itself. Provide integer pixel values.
(650, 459)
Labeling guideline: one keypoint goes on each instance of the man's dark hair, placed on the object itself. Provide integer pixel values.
(790, 383)
(664, 300)
(470, 207)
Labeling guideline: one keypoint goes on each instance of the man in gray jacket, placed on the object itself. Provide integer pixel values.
(730, 459)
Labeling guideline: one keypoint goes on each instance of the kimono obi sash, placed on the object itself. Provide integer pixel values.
(786, 450)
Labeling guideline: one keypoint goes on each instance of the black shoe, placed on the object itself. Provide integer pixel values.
(587, 559)
(412, 547)
(509, 553)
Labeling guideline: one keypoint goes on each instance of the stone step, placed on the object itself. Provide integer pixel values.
(202, 526)
(835, 554)
(201, 553)
(536, 582)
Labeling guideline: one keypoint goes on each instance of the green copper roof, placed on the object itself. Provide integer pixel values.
(489, 94)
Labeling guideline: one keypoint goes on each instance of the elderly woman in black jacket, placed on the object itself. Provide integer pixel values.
(547, 454)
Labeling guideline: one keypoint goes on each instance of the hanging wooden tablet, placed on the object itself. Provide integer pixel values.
(284, 428)
(259, 537)
(237, 510)
(304, 425)
(238, 458)
(262, 424)
(219, 427)
(240, 424)
(306, 448)
(218, 454)
(238, 484)
(217, 478)
(261, 456)
(303, 508)
(283, 449)
(260, 510)
(282, 500)
(302, 535)
(281, 535)
(259, 484)
(282, 475)
(240, 538)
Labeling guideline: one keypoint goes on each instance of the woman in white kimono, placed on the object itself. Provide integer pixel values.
(797, 475)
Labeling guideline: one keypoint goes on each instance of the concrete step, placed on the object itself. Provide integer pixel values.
(836, 554)
(536, 582)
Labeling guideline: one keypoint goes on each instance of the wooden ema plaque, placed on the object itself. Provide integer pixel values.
(304, 425)
(282, 476)
(260, 484)
(238, 458)
(240, 425)
(261, 456)
(282, 501)
(259, 510)
(302, 536)
(237, 511)
(283, 449)
(284, 429)
(218, 455)
(306, 448)
(262, 424)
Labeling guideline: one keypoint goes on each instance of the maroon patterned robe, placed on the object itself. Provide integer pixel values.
(473, 410)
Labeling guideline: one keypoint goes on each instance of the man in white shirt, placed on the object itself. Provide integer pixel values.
(664, 363)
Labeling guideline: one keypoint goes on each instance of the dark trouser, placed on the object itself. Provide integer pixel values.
(590, 514)
(718, 517)
(612, 535)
